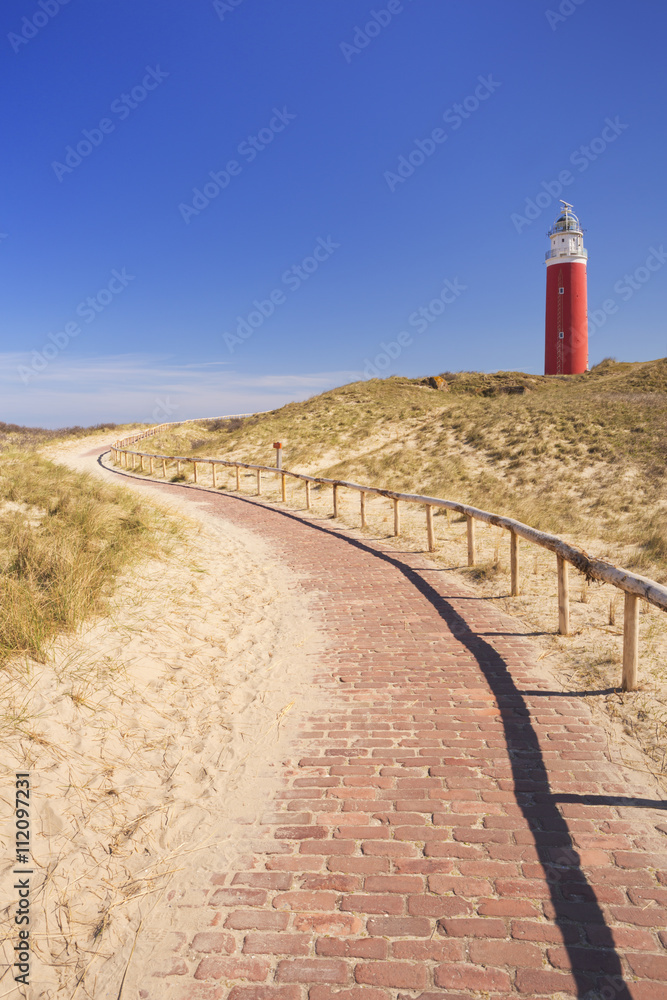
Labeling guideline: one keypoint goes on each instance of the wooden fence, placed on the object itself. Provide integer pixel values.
(635, 587)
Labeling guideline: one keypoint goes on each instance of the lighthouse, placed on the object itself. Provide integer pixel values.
(566, 325)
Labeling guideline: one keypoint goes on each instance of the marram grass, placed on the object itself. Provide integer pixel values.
(64, 539)
(584, 456)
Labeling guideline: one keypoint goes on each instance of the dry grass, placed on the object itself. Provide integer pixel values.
(14, 436)
(149, 732)
(64, 538)
(582, 456)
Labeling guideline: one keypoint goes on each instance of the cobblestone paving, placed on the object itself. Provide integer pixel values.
(448, 828)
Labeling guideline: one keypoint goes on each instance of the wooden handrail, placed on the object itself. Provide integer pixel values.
(156, 428)
(633, 585)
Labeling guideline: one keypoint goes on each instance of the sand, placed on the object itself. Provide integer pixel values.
(154, 737)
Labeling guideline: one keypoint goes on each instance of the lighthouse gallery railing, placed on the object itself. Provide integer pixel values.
(582, 252)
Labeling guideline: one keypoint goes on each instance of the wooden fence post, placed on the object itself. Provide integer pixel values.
(429, 528)
(471, 539)
(514, 563)
(563, 596)
(630, 642)
(121, 456)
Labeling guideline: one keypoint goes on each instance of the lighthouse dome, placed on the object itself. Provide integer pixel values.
(567, 220)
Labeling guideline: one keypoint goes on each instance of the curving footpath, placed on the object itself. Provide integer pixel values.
(449, 827)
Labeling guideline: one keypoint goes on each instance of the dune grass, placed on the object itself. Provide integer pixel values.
(64, 539)
(17, 436)
(581, 455)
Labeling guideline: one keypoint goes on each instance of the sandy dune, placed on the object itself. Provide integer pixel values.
(151, 735)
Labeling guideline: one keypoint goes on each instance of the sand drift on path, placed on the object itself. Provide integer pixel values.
(154, 738)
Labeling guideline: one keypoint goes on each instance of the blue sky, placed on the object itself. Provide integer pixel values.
(215, 207)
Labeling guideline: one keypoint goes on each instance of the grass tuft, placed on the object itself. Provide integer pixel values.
(64, 538)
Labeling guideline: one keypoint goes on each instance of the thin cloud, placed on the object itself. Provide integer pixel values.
(146, 388)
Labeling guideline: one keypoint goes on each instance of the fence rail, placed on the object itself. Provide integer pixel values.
(635, 587)
(157, 428)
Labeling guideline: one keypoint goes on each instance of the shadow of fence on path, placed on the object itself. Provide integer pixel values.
(574, 905)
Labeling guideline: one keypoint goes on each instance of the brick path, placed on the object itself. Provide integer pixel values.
(448, 827)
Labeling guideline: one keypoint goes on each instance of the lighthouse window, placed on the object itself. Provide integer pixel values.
(561, 335)
(561, 291)
(562, 240)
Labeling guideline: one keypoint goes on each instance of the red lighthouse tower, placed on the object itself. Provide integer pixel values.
(566, 326)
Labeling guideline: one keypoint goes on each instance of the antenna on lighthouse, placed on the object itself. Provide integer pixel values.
(565, 204)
